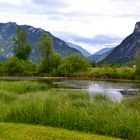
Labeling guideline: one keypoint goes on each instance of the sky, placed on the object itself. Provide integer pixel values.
(92, 24)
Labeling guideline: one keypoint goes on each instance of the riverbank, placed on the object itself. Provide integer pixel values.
(100, 74)
(37, 78)
(109, 73)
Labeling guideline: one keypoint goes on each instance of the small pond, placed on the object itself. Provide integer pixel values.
(115, 90)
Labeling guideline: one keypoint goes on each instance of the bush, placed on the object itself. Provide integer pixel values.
(53, 66)
(137, 57)
(1, 68)
(73, 64)
(15, 67)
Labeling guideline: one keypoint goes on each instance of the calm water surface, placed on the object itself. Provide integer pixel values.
(115, 90)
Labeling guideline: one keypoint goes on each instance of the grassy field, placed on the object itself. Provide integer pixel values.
(31, 103)
(21, 87)
(9, 131)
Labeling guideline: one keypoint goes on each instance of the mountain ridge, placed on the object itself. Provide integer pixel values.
(79, 48)
(100, 55)
(127, 49)
(8, 31)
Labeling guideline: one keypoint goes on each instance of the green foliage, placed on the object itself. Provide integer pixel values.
(73, 64)
(93, 64)
(133, 103)
(21, 87)
(138, 63)
(56, 61)
(72, 110)
(7, 97)
(15, 66)
(107, 73)
(1, 68)
(24, 53)
(47, 52)
(22, 50)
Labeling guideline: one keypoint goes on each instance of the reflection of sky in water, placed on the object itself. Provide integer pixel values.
(96, 89)
(110, 89)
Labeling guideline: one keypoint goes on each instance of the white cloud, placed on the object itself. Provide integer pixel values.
(15, 2)
(86, 18)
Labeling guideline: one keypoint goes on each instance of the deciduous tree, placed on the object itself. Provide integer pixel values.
(47, 52)
(22, 49)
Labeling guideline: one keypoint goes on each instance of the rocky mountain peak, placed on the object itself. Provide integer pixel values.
(126, 51)
(137, 27)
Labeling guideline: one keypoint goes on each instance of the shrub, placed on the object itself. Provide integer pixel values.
(72, 64)
(1, 68)
(15, 67)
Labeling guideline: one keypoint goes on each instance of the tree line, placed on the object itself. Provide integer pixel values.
(51, 62)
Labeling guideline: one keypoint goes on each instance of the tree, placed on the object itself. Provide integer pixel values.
(15, 66)
(22, 49)
(47, 52)
(137, 58)
(73, 64)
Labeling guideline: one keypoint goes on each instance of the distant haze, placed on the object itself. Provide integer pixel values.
(92, 24)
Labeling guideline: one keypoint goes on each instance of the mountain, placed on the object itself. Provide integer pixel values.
(100, 55)
(80, 49)
(3, 58)
(126, 51)
(8, 31)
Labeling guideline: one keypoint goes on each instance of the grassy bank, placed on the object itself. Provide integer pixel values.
(114, 73)
(124, 73)
(21, 87)
(69, 109)
(9, 131)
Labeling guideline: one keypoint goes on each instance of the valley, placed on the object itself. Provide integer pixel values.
(54, 89)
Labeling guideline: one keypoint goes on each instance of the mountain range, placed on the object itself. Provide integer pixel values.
(80, 49)
(121, 54)
(100, 55)
(8, 31)
(126, 51)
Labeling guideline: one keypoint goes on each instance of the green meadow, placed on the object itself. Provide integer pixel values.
(10, 131)
(27, 102)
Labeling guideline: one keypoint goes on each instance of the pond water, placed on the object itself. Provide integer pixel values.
(114, 90)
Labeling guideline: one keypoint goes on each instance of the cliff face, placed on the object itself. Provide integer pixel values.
(127, 49)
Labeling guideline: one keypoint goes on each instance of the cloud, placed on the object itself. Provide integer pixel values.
(91, 44)
(14, 2)
(52, 3)
(85, 20)
(98, 39)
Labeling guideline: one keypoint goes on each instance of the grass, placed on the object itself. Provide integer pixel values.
(115, 73)
(133, 103)
(21, 87)
(9, 131)
(72, 110)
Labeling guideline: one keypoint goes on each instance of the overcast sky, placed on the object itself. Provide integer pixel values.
(94, 24)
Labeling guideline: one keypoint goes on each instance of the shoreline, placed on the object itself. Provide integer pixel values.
(39, 78)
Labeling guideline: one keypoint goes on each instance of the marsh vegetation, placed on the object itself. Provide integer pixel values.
(33, 103)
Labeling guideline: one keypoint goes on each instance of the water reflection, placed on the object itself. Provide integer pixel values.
(114, 90)
(97, 89)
